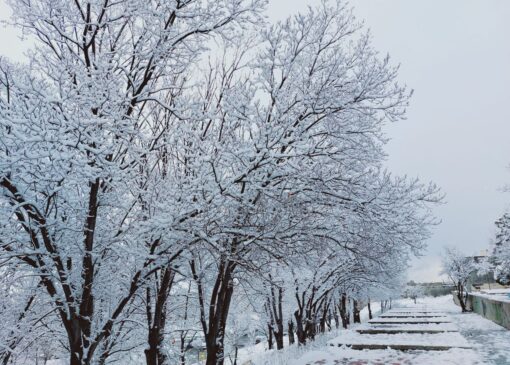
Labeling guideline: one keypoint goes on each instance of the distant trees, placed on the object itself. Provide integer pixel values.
(500, 258)
(149, 183)
(413, 291)
(459, 268)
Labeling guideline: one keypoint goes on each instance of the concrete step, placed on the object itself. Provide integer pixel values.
(408, 321)
(410, 316)
(399, 347)
(374, 331)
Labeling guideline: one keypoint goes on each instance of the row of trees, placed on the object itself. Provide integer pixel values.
(173, 170)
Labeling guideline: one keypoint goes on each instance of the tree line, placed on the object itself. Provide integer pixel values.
(177, 170)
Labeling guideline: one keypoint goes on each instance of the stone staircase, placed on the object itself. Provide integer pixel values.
(405, 329)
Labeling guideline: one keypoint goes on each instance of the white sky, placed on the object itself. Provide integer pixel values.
(455, 54)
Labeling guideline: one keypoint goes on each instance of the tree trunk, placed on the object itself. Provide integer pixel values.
(154, 354)
(235, 355)
(76, 347)
(461, 297)
(369, 310)
(278, 336)
(269, 336)
(292, 340)
(335, 316)
(325, 321)
(182, 356)
(274, 309)
(76, 355)
(343, 311)
(151, 356)
(356, 311)
(219, 306)
(300, 331)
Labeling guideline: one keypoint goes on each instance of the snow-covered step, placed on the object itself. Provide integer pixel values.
(401, 341)
(416, 347)
(403, 315)
(437, 327)
(414, 311)
(410, 320)
(400, 330)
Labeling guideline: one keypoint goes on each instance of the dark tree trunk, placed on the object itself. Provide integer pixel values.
(235, 355)
(278, 336)
(76, 357)
(155, 355)
(300, 331)
(325, 321)
(310, 324)
(276, 315)
(292, 340)
(344, 313)
(335, 317)
(269, 336)
(369, 310)
(356, 311)
(74, 334)
(182, 356)
(219, 306)
(462, 297)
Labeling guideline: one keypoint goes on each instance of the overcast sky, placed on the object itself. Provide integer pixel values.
(455, 54)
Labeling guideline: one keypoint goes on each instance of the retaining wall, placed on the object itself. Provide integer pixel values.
(496, 311)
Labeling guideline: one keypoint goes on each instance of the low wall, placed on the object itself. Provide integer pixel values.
(496, 311)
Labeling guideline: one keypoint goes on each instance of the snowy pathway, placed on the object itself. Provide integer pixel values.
(489, 340)
(434, 324)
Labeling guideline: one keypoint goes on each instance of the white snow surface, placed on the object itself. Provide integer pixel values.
(439, 327)
(409, 320)
(351, 337)
(500, 295)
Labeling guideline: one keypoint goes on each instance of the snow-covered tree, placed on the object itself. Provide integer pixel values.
(146, 178)
(459, 268)
(500, 258)
(82, 153)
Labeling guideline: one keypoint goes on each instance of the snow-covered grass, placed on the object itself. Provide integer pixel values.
(259, 355)
(290, 354)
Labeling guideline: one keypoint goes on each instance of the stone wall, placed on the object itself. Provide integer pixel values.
(496, 311)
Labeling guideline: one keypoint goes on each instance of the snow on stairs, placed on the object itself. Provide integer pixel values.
(405, 329)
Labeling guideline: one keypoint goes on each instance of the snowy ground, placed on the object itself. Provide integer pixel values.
(501, 295)
(488, 342)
